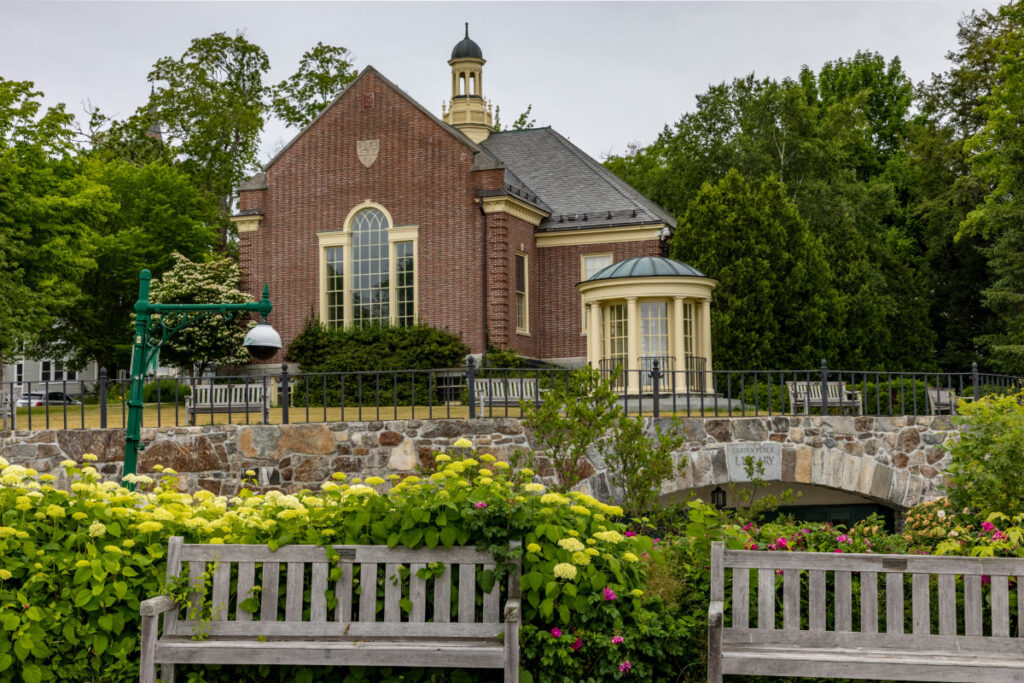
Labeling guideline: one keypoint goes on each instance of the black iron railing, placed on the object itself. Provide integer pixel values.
(656, 388)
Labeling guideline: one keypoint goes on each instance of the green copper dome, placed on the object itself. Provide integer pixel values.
(467, 48)
(645, 266)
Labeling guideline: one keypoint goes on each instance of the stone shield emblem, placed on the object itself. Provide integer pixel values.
(367, 151)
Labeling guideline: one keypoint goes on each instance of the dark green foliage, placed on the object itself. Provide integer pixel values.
(164, 389)
(363, 353)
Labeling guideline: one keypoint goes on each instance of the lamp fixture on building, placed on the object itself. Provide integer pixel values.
(718, 497)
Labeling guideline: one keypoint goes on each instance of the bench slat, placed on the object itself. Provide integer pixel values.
(195, 582)
(417, 593)
(467, 593)
(910, 564)
(1000, 600)
(947, 605)
(318, 592)
(843, 600)
(443, 596)
(765, 599)
(331, 629)
(1020, 606)
(368, 592)
(268, 599)
(315, 553)
(894, 602)
(921, 603)
(343, 592)
(174, 546)
(491, 608)
(246, 579)
(869, 602)
(392, 593)
(221, 590)
(791, 599)
(952, 645)
(741, 598)
(293, 599)
(972, 605)
(816, 600)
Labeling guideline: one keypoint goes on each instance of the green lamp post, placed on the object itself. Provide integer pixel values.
(262, 342)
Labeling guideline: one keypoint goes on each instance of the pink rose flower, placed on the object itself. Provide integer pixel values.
(609, 594)
(625, 666)
(616, 640)
(481, 504)
(987, 525)
(630, 534)
(556, 632)
(782, 543)
(578, 644)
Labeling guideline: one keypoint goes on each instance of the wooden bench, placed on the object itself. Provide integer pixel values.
(808, 395)
(504, 391)
(9, 395)
(972, 637)
(227, 398)
(416, 626)
(942, 400)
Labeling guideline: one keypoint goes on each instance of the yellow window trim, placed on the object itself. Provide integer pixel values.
(583, 276)
(526, 295)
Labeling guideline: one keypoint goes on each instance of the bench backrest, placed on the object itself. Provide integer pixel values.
(412, 605)
(225, 394)
(506, 388)
(877, 601)
(942, 399)
(799, 391)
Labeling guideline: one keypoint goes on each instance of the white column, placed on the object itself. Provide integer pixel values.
(678, 348)
(705, 337)
(594, 335)
(633, 343)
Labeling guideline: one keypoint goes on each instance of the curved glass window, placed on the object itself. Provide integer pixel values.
(370, 268)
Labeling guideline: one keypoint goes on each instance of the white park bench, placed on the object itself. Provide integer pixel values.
(412, 630)
(504, 391)
(808, 395)
(227, 398)
(887, 642)
(942, 400)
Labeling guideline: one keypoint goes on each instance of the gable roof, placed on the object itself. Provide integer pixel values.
(581, 193)
(454, 132)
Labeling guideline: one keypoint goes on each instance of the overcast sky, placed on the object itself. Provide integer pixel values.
(603, 74)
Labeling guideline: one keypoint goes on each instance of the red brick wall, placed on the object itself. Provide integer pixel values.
(421, 175)
(558, 302)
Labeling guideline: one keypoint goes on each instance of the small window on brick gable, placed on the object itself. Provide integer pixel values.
(522, 295)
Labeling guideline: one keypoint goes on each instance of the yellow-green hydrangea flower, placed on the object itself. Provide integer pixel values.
(533, 548)
(89, 457)
(630, 557)
(463, 443)
(564, 570)
(534, 488)
(637, 593)
(609, 536)
(5, 574)
(570, 544)
(581, 559)
(149, 527)
(580, 510)
(442, 458)
(593, 552)
(54, 511)
(527, 472)
(374, 481)
(487, 457)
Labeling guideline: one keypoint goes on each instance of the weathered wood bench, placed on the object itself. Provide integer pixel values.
(808, 395)
(504, 391)
(889, 642)
(227, 398)
(942, 400)
(411, 630)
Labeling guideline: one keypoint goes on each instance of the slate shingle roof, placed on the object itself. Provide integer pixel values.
(580, 193)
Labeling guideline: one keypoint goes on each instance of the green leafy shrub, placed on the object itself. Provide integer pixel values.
(985, 472)
(372, 357)
(164, 389)
(76, 565)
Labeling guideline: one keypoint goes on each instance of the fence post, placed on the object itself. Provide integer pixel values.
(974, 378)
(656, 387)
(286, 398)
(470, 375)
(824, 388)
(103, 398)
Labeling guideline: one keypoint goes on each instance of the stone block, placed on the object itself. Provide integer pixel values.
(788, 464)
(694, 428)
(908, 440)
(881, 482)
(804, 464)
(796, 435)
(106, 444)
(900, 479)
(390, 438)
(701, 469)
(820, 468)
(719, 468)
(749, 429)
(851, 472)
(915, 492)
(194, 454)
(867, 473)
(719, 430)
(864, 423)
(314, 468)
(836, 465)
(780, 424)
(934, 455)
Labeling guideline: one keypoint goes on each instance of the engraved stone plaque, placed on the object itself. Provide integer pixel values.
(768, 453)
(367, 151)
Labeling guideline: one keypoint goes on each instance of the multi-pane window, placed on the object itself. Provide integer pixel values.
(335, 257)
(654, 330)
(45, 371)
(687, 330)
(592, 264)
(19, 373)
(615, 340)
(370, 268)
(405, 283)
(522, 303)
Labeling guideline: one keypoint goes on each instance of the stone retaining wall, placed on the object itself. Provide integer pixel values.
(896, 460)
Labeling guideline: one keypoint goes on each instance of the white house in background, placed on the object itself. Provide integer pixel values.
(25, 371)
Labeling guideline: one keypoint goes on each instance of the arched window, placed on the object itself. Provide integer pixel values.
(368, 271)
(370, 268)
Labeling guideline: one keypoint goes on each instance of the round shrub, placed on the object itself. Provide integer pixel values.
(164, 390)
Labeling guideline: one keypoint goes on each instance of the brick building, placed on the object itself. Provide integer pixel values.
(380, 211)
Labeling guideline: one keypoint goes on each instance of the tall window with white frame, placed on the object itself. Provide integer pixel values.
(405, 283)
(592, 264)
(522, 295)
(370, 268)
(335, 257)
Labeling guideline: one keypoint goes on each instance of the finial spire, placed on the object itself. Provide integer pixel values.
(467, 29)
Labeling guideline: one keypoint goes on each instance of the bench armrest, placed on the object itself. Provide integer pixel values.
(157, 605)
(716, 614)
(513, 610)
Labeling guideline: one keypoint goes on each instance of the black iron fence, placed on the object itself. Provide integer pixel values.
(656, 388)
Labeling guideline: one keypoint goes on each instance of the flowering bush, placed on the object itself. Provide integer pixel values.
(77, 563)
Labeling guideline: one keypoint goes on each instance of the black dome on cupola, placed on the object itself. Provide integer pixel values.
(466, 48)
